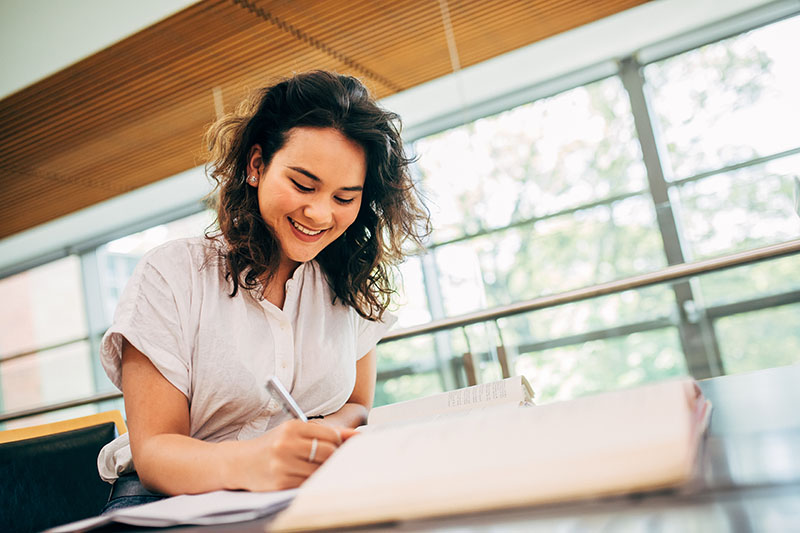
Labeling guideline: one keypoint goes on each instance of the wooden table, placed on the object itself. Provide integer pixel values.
(748, 480)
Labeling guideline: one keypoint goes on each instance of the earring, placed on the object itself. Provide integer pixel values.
(252, 180)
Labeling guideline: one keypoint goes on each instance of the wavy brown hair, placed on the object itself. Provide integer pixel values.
(358, 264)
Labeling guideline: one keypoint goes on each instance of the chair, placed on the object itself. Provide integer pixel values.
(48, 473)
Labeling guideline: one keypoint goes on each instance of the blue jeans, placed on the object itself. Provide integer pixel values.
(128, 491)
(128, 501)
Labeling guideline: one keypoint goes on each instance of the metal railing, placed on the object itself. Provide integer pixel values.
(671, 273)
(668, 274)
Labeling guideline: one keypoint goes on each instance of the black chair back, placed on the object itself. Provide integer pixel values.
(51, 480)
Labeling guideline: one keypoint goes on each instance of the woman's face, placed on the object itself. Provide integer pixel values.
(311, 191)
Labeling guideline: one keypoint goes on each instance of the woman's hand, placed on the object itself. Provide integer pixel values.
(285, 456)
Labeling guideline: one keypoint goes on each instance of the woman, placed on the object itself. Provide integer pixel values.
(314, 203)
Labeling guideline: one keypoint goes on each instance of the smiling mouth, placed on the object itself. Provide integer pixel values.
(304, 230)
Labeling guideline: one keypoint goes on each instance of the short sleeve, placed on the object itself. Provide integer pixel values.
(371, 331)
(150, 316)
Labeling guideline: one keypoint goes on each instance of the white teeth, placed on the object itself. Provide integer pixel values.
(303, 229)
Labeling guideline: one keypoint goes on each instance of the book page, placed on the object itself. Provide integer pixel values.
(606, 444)
(514, 391)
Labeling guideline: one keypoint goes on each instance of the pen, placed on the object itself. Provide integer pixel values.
(279, 392)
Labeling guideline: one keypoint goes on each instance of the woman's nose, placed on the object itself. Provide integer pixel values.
(319, 212)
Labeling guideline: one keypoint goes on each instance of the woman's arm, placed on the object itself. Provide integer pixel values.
(169, 461)
(354, 412)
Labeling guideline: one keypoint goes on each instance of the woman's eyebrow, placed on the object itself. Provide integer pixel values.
(310, 175)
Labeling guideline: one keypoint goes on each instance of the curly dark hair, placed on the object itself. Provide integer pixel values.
(358, 264)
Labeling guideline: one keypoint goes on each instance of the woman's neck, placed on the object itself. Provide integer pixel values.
(275, 291)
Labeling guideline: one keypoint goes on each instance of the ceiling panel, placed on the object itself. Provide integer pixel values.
(135, 112)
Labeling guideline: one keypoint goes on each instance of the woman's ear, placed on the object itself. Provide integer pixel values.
(255, 165)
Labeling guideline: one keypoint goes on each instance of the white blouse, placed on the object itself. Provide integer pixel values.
(219, 351)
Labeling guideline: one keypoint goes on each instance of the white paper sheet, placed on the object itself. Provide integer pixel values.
(219, 507)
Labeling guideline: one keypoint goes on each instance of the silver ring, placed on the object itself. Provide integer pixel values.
(313, 453)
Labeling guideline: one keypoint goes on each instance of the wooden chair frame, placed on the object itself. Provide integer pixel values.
(12, 435)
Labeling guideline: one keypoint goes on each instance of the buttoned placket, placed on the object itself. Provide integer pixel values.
(283, 336)
(283, 343)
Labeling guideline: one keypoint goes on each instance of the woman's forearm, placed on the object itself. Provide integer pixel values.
(177, 464)
(170, 463)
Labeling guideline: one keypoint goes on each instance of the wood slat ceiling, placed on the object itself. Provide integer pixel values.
(135, 112)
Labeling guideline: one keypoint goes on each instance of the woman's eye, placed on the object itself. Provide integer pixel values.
(344, 201)
(302, 188)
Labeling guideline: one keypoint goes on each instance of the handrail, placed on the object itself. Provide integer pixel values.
(670, 273)
(22, 413)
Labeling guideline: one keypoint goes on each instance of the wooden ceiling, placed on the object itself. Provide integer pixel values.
(134, 113)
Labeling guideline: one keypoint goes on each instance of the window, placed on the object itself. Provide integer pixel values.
(43, 336)
(730, 101)
(555, 154)
(48, 343)
(553, 195)
(740, 209)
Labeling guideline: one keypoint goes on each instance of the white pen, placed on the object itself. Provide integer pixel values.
(276, 389)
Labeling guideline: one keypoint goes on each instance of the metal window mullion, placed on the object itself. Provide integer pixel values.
(30, 353)
(754, 304)
(441, 339)
(738, 166)
(95, 313)
(698, 339)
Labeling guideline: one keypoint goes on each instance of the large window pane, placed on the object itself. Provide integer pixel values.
(42, 307)
(550, 256)
(730, 101)
(553, 154)
(739, 210)
(50, 376)
(571, 371)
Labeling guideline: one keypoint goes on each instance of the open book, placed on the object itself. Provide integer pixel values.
(514, 391)
(608, 444)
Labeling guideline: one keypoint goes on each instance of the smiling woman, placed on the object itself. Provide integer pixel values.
(314, 204)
